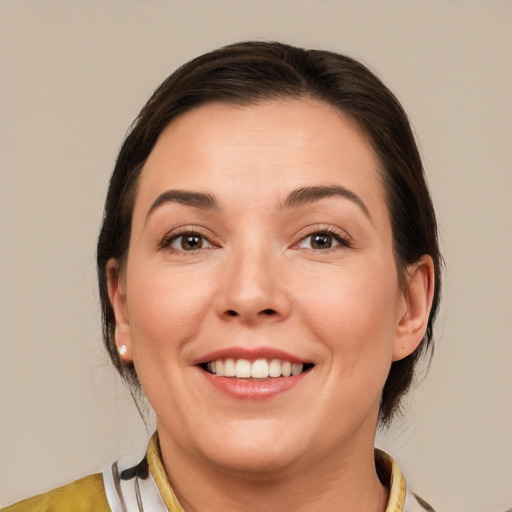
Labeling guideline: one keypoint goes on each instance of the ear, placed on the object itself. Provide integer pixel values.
(418, 294)
(117, 294)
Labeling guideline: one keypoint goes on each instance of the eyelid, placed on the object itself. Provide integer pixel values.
(170, 237)
(344, 239)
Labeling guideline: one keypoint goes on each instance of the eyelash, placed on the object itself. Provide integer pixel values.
(166, 243)
(339, 236)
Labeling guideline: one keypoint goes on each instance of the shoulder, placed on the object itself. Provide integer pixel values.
(82, 495)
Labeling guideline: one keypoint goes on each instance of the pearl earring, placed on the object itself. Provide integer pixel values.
(122, 350)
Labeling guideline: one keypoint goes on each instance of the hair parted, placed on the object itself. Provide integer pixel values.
(249, 72)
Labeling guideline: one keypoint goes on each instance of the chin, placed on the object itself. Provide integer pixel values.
(252, 465)
(255, 453)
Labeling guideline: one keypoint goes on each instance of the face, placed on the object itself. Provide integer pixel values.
(261, 245)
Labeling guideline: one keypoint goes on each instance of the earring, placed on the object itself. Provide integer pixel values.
(122, 350)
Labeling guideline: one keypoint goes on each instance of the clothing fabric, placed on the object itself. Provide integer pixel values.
(145, 488)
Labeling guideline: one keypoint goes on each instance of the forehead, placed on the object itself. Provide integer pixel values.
(267, 149)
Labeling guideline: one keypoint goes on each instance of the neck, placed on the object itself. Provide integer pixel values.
(345, 483)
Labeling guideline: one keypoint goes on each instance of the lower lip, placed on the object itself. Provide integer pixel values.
(254, 389)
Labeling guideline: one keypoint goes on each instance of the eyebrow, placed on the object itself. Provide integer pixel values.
(307, 195)
(297, 197)
(186, 197)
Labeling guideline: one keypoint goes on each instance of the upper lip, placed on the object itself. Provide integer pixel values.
(251, 354)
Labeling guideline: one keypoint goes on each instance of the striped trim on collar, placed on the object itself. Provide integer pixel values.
(145, 487)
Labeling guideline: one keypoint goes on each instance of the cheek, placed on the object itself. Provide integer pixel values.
(354, 314)
(165, 308)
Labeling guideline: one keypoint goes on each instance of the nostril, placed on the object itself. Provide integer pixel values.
(265, 312)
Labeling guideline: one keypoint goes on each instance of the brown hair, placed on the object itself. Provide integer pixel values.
(249, 72)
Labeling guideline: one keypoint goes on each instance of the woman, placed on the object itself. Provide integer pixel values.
(269, 275)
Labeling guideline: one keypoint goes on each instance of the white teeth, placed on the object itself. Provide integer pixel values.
(296, 368)
(229, 368)
(258, 369)
(286, 369)
(274, 369)
(242, 369)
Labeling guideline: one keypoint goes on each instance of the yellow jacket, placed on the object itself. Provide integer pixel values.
(146, 487)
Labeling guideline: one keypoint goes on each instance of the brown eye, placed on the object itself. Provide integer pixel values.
(322, 240)
(189, 242)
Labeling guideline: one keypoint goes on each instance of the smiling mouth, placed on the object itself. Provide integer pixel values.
(258, 369)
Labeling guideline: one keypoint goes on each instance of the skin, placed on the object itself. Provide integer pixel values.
(258, 281)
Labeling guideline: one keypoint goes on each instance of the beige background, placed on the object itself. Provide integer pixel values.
(73, 74)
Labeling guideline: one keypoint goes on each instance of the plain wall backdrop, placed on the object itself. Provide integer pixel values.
(73, 75)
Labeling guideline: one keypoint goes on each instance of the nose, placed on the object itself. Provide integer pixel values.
(253, 288)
